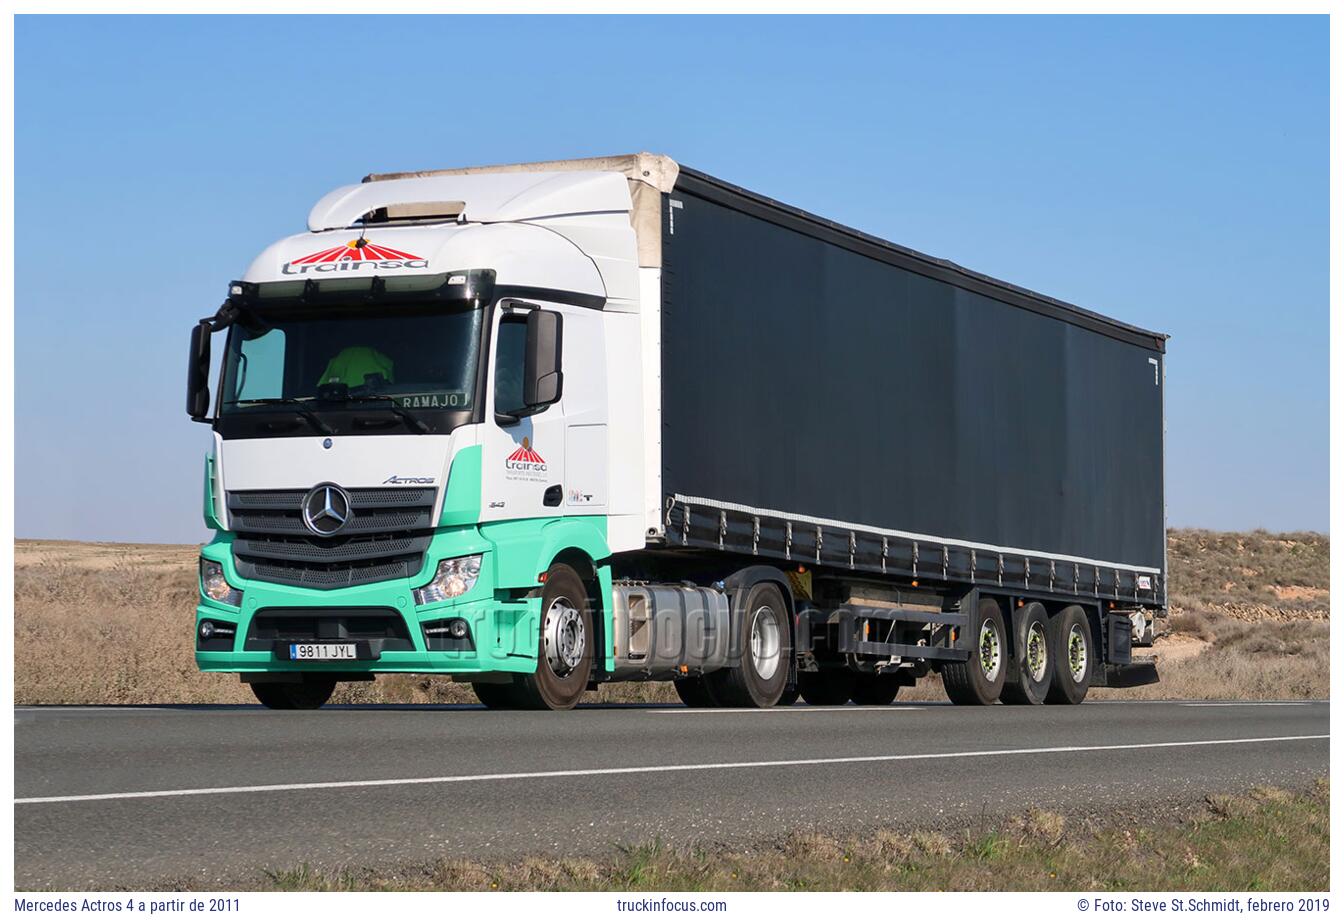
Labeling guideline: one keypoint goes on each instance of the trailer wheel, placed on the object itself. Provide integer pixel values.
(875, 690)
(564, 648)
(496, 696)
(830, 687)
(1034, 658)
(978, 681)
(313, 693)
(695, 692)
(1074, 654)
(759, 678)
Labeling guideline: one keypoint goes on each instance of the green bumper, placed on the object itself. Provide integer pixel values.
(504, 624)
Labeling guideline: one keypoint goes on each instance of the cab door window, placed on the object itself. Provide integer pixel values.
(510, 355)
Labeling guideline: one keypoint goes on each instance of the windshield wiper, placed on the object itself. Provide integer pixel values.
(391, 406)
(298, 405)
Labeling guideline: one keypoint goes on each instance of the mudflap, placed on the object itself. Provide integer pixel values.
(1136, 674)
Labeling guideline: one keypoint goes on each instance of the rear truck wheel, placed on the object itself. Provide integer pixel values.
(827, 687)
(311, 694)
(1074, 656)
(789, 696)
(759, 678)
(875, 689)
(496, 696)
(565, 647)
(978, 681)
(695, 692)
(1032, 651)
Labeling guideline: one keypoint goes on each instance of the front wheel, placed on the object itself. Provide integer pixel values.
(978, 681)
(564, 648)
(496, 696)
(313, 693)
(1075, 657)
(766, 647)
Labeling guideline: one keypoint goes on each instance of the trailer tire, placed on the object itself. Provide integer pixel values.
(695, 692)
(564, 646)
(978, 680)
(829, 687)
(875, 690)
(1075, 656)
(766, 649)
(313, 693)
(1033, 655)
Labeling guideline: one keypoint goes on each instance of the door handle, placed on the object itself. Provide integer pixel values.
(551, 497)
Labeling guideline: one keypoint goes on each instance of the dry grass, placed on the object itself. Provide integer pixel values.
(1265, 840)
(112, 623)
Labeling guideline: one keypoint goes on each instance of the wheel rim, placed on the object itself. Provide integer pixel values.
(991, 650)
(1077, 652)
(564, 636)
(765, 643)
(1037, 652)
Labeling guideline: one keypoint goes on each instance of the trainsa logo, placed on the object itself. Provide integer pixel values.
(525, 458)
(353, 256)
(525, 464)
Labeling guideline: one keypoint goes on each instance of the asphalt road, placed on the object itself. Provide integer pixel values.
(136, 796)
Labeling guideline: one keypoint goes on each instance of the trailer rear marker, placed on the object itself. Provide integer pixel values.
(666, 768)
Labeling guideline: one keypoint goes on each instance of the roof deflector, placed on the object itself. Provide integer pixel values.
(649, 175)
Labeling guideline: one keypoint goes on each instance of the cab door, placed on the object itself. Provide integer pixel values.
(523, 456)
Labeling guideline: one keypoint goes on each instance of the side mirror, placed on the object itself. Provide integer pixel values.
(542, 378)
(198, 372)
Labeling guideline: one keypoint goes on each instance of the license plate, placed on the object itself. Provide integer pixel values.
(321, 652)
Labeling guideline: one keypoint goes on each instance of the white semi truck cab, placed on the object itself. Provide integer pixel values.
(503, 424)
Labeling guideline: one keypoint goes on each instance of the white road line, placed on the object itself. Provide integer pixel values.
(1263, 703)
(56, 708)
(794, 709)
(664, 768)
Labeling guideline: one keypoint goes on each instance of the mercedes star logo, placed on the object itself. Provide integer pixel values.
(326, 508)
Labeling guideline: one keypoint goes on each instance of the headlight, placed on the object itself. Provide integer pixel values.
(454, 578)
(216, 588)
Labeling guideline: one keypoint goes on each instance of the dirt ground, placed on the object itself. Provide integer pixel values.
(112, 623)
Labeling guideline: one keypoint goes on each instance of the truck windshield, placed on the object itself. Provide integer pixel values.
(407, 357)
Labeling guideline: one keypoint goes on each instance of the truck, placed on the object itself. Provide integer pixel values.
(543, 426)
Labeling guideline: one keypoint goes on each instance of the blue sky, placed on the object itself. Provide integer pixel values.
(1170, 171)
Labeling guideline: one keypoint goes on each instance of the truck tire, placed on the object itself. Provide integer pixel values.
(875, 690)
(827, 687)
(978, 681)
(789, 697)
(1075, 656)
(496, 696)
(759, 678)
(311, 694)
(564, 646)
(1033, 654)
(695, 692)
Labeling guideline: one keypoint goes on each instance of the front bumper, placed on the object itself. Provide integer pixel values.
(504, 625)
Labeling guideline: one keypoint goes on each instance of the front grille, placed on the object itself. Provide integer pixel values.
(385, 538)
(383, 627)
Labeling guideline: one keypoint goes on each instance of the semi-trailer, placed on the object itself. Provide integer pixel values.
(548, 425)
